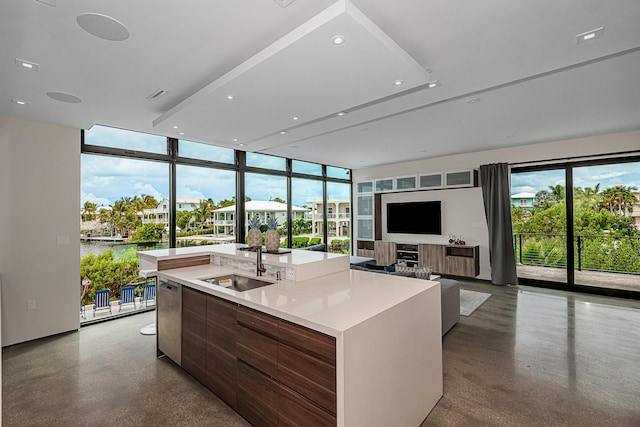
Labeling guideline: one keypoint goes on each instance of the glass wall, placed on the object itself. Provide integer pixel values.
(205, 206)
(339, 216)
(308, 228)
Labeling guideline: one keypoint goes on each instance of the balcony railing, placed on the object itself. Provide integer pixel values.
(613, 254)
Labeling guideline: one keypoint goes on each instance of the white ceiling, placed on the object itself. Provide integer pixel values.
(519, 58)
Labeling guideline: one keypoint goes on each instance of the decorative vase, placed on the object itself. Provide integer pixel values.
(254, 238)
(272, 240)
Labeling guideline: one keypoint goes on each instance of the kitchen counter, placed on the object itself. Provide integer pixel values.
(387, 330)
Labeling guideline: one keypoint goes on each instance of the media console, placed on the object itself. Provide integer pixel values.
(454, 260)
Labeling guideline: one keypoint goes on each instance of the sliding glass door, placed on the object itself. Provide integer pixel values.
(538, 210)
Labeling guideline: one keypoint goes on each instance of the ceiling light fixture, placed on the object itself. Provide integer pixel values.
(338, 40)
(342, 113)
(294, 118)
(473, 100)
(283, 132)
(175, 127)
(590, 35)
(433, 83)
(230, 97)
(180, 133)
(398, 82)
(20, 102)
(241, 145)
(235, 139)
(27, 64)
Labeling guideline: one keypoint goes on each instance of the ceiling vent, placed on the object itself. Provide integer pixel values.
(156, 94)
(284, 3)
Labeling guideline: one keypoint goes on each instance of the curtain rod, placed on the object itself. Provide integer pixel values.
(576, 158)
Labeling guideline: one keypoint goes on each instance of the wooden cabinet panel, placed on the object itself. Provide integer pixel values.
(432, 256)
(168, 264)
(257, 396)
(194, 322)
(258, 350)
(220, 366)
(463, 260)
(309, 341)
(296, 410)
(308, 375)
(257, 321)
(385, 252)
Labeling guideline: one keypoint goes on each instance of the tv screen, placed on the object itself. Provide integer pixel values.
(414, 218)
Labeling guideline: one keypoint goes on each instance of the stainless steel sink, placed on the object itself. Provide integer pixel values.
(237, 282)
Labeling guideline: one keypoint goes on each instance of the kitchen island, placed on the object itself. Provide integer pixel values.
(346, 348)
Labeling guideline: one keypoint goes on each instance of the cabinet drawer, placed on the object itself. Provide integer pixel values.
(296, 410)
(257, 397)
(221, 324)
(308, 375)
(309, 341)
(257, 350)
(257, 321)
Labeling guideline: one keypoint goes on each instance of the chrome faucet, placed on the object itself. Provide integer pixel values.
(259, 266)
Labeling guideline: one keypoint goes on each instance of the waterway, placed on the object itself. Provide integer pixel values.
(95, 247)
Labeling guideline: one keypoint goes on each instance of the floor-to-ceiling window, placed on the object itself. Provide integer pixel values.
(147, 191)
(578, 225)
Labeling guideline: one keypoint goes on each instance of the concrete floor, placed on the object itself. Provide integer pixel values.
(526, 357)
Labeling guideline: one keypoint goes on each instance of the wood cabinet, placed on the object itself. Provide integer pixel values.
(220, 364)
(385, 252)
(194, 322)
(450, 259)
(292, 368)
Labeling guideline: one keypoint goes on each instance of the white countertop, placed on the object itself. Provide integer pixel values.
(295, 257)
(330, 304)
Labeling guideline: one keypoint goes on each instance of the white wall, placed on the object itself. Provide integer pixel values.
(462, 209)
(40, 200)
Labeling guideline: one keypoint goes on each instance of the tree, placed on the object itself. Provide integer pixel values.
(618, 199)
(149, 201)
(279, 200)
(88, 211)
(183, 218)
(148, 233)
(203, 212)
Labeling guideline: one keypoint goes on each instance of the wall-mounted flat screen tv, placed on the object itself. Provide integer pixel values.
(414, 217)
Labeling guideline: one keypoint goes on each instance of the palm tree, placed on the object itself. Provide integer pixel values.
(619, 199)
(88, 211)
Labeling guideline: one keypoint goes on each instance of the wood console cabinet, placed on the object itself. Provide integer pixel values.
(450, 259)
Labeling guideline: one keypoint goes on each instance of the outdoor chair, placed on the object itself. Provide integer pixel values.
(102, 301)
(148, 294)
(127, 296)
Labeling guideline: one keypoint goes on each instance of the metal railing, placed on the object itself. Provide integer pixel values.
(614, 254)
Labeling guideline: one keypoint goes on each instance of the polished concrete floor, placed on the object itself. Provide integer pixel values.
(526, 357)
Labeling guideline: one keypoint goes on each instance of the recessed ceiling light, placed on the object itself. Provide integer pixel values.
(283, 132)
(590, 35)
(64, 97)
(433, 83)
(342, 113)
(180, 133)
(235, 139)
(230, 97)
(27, 64)
(241, 145)
(473, 100)
(20, 102)
(338, 40)
(294, 118)
(398, 82)
(175, 127)
(103, 26)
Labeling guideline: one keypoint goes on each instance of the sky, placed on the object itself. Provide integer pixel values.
(106, 179)
(627, 174)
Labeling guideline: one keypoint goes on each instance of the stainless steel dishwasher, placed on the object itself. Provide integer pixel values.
(169, 320)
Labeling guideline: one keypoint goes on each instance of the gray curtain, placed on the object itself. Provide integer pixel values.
(497, 208)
